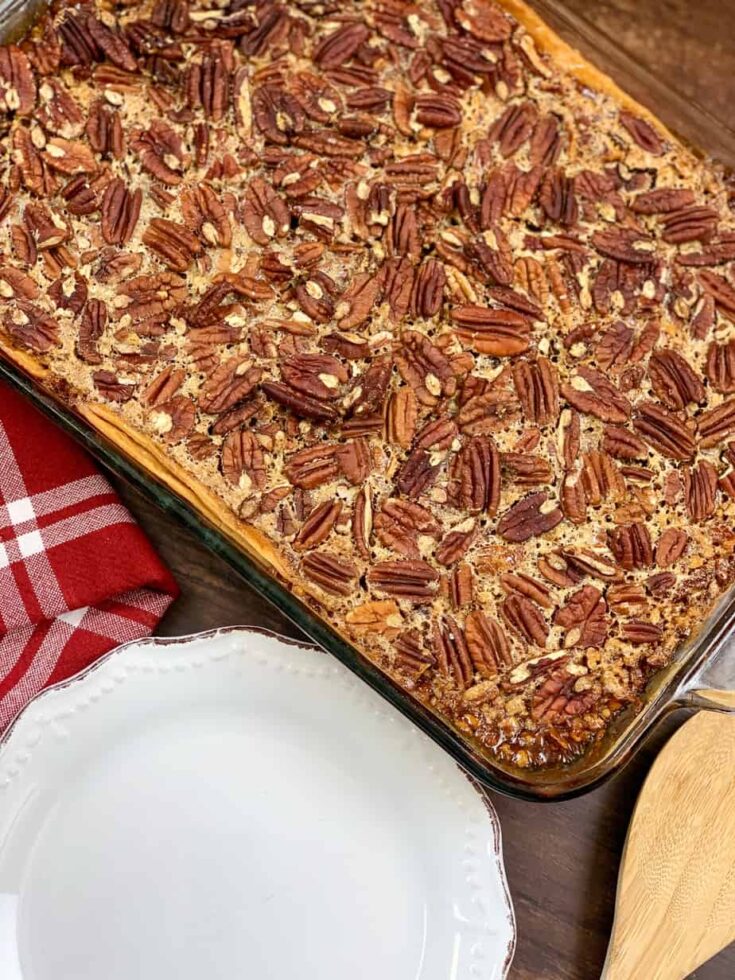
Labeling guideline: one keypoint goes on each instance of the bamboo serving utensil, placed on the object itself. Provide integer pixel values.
(675, 905)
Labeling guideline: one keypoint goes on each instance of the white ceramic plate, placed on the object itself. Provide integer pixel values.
(229, 806)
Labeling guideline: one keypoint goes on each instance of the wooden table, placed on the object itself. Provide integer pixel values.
(561, 859)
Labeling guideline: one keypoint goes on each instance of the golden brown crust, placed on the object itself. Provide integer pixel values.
(573, 61)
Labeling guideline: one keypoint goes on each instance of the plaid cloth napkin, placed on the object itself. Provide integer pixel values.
(77, 575)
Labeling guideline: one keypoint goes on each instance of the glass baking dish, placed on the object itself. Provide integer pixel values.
(702, 665)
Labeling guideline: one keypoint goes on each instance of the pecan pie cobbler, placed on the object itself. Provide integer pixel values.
(412, 303)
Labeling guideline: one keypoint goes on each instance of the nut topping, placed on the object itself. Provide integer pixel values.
(414, 581)
(534, 515)
(446, 328)
(590, 392)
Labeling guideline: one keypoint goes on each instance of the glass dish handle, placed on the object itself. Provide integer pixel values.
(712, 686)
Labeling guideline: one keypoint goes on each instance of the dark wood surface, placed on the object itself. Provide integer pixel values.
(561, 859)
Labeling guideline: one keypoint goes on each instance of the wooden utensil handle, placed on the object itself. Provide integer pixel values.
(676, 891)
(713, 700)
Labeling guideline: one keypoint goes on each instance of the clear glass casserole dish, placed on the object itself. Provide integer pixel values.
(681, 682)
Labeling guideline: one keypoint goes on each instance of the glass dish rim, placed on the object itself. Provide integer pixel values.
(666, 688)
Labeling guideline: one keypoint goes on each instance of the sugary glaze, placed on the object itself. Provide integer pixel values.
(412, 303)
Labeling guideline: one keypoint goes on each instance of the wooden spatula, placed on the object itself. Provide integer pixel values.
(676, 892)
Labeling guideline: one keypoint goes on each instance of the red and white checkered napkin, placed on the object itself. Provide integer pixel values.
(77, 575)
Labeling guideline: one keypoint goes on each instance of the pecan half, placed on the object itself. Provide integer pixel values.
(265, 215)
(416, 474)
(663, 430)
(32, 327)
(357, 301)
(670, 547)
(514, 127)
(163, 387)
(526, 585)
(161, 151)
(414, 581)
(316, 375)
(428, 289)
(69, 293)
(537, 386)
(362, 521)
(454, 544)
(425, 368)
(586, 561)
(500, 333)
(632, 546)
(530, 517)
(301, 405)
(721, 366)
(638, 632)
(119, 212)
(399, 523)
(721, 291)
(525, 469)
(172, 242)
(700, 490)
(111, 44)
(31, 167)
(477, 475)
(16, 284)
(104, 131)
(318, 525)
(205, 215)
(401, 415)
(338, 47)
(112, 388)
(355, 460)
(717, 424)
(568, 437)
(574, 498)
(662, 200)
(411, 654)
(590, 392)
(69, 156)
(312, 467)
(243, 461)
(17, 82)
(625, 245)
(151, 297)
(600, 478)
(673, 380)
(622, 443)
(484, 21)
(437, 110)
(526, 619)
(379, 616)
(488, 645)
(643, 133)
(173, 420)
(556, 699)
(627, 599)
(461, 585)
(452, 653)
(584, 618)
(227, 385)
(334, 574)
